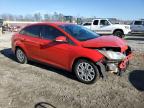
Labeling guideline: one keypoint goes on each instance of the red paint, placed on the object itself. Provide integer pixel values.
(64, 54)
(123, 64)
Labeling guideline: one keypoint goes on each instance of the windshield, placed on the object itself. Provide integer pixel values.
(114, 21)
(78, 32)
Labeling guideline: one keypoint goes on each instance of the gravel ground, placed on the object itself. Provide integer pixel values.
(35, 85)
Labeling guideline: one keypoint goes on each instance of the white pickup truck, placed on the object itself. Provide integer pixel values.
(137, 27)
(105, 26)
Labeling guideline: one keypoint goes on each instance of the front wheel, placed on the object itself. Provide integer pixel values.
(86, 71)
(118, 33)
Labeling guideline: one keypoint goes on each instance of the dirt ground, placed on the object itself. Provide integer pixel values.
(35, 85)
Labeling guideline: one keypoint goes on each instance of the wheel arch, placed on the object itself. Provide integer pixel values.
(118, 30)
(79, 58)
(102, 74)
(22, 48)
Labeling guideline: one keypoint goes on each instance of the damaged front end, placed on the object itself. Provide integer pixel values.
(116, 61)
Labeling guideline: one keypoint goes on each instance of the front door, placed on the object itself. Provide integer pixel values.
(55, 53)
(105, 27)
(101, 27)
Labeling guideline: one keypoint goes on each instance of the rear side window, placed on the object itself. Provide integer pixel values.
(49, 32)
(87, 24)
(33, 31)
(138, 23)
(95, 22)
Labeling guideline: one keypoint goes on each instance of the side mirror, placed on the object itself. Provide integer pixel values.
(61, 39)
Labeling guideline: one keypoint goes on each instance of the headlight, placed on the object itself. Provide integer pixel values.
(127, 27)
(113, 55)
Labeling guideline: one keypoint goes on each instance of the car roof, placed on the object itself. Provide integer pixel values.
(46, 23)
(50, 23)
(87, 22)
(100, 19)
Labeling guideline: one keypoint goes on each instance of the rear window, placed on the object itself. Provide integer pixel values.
(138, 23)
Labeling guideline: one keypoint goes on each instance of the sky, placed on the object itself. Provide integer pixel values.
(121, 9)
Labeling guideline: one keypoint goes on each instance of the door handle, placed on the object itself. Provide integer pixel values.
(23, 39)
(42, 44)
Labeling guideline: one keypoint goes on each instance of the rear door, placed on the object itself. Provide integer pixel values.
(95, 26)
(30, 36)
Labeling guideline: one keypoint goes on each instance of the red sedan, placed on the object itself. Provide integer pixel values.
(73, 48)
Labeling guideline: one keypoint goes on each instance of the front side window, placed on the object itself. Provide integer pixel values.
(104, 22)
(49, 32)
(138, 23)
(33, 31)
(78, 32)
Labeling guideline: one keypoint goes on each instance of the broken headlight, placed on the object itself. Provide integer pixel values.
(111, 55)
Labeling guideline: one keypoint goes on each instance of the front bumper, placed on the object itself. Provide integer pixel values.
(123, 64)
(117, 66)
(113, 66)
(127, 32)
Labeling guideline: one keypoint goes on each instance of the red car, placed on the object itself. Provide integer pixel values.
(73, 48)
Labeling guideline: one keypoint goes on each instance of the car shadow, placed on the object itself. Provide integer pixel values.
(44, 105)
(135, 38)
(136, 78)
(9, 54)
(137, 34)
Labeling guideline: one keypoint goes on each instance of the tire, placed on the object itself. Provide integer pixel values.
(118, 33)
(84, 74)
(21, 56)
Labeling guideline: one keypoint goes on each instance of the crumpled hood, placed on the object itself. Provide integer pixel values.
(106, 41)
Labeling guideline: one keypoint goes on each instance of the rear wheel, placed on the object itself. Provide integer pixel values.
(118, 33)
(86, 71)
(21, 56)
